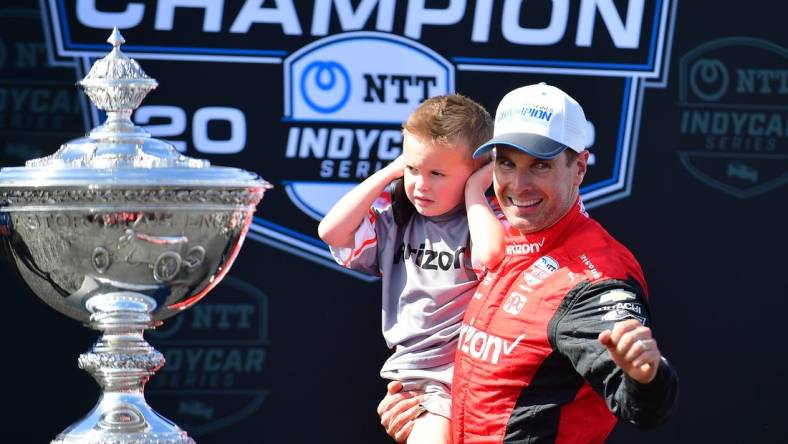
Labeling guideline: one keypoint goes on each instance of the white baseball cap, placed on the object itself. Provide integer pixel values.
(540, 120)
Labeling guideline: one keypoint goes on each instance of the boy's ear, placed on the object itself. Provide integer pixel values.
(482, 160)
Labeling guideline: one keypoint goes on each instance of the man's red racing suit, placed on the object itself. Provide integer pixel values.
(529, 367)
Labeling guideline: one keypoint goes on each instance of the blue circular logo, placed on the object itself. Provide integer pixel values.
(325, 86)
(709, 79)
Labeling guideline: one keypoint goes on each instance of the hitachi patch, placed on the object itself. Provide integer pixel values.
(620, 315)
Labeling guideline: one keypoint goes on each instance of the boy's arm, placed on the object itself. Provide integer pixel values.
(339, 226)
(487, 232)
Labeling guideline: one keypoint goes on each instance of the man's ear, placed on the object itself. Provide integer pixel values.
(582, 165)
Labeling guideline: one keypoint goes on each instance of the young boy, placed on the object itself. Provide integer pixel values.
(421, 246)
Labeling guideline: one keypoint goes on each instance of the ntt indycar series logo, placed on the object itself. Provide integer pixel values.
(217, 356)
(312, 95)
(345, 99)
(734, 119)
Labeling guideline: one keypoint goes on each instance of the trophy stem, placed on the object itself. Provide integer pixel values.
(118, 126)
(122, 361)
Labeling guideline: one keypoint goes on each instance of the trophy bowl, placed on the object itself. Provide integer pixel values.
(120, 231)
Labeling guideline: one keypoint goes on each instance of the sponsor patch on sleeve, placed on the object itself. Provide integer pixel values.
(621, 314)
(619, 304)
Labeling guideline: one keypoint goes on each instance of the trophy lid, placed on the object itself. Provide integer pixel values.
(119, 153)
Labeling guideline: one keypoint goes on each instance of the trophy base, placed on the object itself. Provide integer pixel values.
(123, 418)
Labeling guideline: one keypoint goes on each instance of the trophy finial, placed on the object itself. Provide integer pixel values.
(116, 39)
(116, 82)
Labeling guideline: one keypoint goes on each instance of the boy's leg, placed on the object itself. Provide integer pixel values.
(430, 428)
(434, 425)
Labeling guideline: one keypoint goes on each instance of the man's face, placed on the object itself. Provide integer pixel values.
(435, 175)
(534, 193)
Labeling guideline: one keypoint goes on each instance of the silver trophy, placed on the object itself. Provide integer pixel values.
(120, 231)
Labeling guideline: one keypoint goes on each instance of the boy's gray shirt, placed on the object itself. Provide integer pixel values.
(428, 279)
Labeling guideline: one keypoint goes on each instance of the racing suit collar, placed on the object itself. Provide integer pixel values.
(549, 235)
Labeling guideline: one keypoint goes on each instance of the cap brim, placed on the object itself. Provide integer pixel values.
(535, 145)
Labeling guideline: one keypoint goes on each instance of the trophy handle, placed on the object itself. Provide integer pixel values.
(122, 362)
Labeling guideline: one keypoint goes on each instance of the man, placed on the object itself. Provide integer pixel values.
(556, 343)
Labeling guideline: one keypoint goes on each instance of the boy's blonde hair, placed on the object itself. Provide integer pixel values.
(451, 119)
(447, 121)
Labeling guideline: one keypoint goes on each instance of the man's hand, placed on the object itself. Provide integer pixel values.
(633, 349)
(399, 409)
